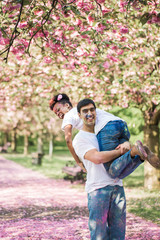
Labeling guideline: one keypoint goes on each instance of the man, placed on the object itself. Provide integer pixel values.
(106, 197)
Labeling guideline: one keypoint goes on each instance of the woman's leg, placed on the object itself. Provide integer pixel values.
(123, 166)
(113, 134)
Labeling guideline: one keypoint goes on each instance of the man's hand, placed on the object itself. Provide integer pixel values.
(125, 147)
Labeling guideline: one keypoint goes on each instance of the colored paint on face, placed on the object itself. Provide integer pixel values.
(88, 116)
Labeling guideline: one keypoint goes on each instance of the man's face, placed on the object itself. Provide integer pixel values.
(88, 114)
(61, 109)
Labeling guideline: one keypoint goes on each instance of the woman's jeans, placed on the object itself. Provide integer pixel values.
(113, 134)
(107, 213)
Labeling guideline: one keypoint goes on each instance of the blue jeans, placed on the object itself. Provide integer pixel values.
(107, 213)
(113, 134)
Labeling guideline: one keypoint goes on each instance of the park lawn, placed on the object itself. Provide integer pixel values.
(141, 202)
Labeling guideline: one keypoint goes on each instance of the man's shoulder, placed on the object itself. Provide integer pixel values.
(79, 136)
(83, 136)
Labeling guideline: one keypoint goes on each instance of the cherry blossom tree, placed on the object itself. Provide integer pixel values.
(107, 50)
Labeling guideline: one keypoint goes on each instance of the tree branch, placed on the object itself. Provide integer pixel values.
(15, 33)
(156, 66)
(43, 22)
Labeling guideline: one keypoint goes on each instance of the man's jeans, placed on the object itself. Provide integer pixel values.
(107, 213)
(113, 134)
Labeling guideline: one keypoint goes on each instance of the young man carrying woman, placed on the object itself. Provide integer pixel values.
(112, 135)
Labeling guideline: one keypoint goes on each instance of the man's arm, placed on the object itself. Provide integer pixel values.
(102, 157)
(68, 138)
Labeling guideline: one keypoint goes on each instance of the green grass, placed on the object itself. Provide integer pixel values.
(136, 179)
(144, 203)
(50, 167)
(140, 201)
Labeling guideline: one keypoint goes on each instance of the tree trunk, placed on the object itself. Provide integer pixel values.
(13, 140)
(25, 144)
(151, 139)
(5, 138)
(40, 144)
(51, 146)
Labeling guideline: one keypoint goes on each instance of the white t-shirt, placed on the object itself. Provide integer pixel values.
(97, 177)
(102, 118)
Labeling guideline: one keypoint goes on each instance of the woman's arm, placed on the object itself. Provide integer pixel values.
(68, 138)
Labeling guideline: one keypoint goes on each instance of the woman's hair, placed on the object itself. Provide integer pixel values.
(61, 98)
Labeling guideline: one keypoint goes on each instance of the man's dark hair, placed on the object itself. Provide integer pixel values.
(84, 102)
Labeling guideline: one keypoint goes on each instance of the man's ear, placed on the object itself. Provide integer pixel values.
(79, 115)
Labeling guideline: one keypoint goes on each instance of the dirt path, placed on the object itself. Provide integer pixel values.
(35, 207)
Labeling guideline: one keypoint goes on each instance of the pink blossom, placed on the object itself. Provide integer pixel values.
(38, 13)
(106, 10)
(22, 24)
(84, 36)
(124, 30)
(84, 67)
(97, 80)
(114, 47)
(123, 39)
(11, 8)
(114, 59)
(70, 28)
(59, 32)
(78, 22)
(122, 10)
(101, 1)
(14, 50)
(4, 41)
(100, 27)
(55, 17)
(47, 59)
(74, 34)
(24, 42)
(114, 31)
(85, 6)
(106, 64)
(90, 19)
(120, 52)
(123, 3)
(155, 19)
(80, 51)
(125, 105)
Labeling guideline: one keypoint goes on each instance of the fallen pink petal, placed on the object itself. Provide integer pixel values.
(35, 207)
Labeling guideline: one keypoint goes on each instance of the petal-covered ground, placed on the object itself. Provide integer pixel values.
(35, 207)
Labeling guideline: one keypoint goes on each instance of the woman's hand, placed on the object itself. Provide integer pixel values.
(125, 147)
(82, 166)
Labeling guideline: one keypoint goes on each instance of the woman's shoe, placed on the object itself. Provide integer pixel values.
(152, 158)
(138, 149)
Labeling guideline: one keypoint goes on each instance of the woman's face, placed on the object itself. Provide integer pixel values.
(61, 109)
